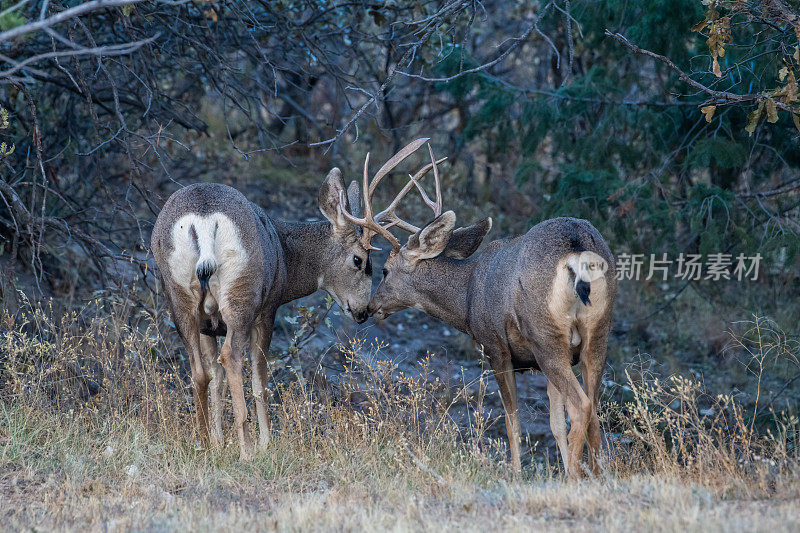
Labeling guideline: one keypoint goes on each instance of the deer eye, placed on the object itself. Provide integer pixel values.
(357, 261)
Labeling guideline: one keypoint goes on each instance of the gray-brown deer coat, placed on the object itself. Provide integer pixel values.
(530, 302)
(225, 268)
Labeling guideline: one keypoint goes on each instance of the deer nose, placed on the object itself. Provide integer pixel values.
(361, 316)
(375, 311)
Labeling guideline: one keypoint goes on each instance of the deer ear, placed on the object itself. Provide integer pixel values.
(330, 198)
(466, 240)
(354, 199)
(431, 240)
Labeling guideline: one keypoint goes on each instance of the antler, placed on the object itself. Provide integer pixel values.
(389, 215)
(372, 224)
(436, 206)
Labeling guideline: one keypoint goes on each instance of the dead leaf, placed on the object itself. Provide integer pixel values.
(708, 111)
(753, 118)
(715, 68)
(796, 54)
(791, 89)
(772, 111)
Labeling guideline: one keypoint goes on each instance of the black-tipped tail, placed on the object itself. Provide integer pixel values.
(583, 288)
(204, 271)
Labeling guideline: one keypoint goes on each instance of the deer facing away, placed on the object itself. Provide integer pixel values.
(225, 267)
(541, 301)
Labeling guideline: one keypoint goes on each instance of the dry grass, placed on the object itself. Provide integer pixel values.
(96, 432)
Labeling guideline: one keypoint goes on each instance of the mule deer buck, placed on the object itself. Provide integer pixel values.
(226, 266)
(540, 301)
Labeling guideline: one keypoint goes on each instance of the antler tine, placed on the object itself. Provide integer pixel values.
(436, 206)
(389, 215)
(369, 226)
(438, 210)
(402, 224)
(367, 222)
(395, 160)
(386, 234)
(372, 224)
(365, 190)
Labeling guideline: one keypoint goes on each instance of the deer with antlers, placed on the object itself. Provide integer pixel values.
(540, 301)
(226, 266)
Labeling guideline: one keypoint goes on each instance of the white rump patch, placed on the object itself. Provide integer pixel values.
(587, 266)
(565, 307)
(219, 240)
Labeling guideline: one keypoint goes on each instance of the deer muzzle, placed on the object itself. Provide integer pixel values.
(361, 316)
(375, 311)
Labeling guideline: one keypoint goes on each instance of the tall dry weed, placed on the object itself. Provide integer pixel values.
(112, 367)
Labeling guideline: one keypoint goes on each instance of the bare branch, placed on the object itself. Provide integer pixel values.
(82, 9)
(426, 31)
(514, 43)
(110, 50)
(13, 8)
(717, 97)
(789, 186)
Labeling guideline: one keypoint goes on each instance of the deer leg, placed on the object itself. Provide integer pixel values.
(190, 334)
(208, 347)
(558, 371)
(593, 360)
(259, 348)
(558, 422)
(231, 357)
(507, 383)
